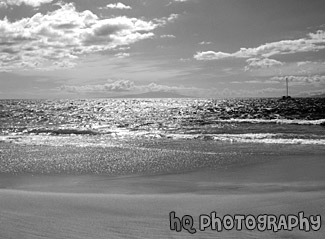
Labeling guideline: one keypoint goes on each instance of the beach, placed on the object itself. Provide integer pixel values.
(162, 119)
(136, 203)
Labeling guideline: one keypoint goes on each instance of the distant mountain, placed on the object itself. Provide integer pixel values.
(155, 94)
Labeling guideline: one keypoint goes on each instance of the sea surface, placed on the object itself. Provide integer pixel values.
(92, 122)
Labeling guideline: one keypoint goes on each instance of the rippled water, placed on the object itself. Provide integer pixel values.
(244, 120)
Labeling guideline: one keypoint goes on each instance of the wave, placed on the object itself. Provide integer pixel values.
(274, 121)
(107, 140)
(63, 131)
(266, 138)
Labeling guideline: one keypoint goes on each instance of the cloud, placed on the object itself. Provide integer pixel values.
(163, 21)
(167, 36)
(116, 6)
(210, 55)
(121, 86)
(122, 55)
(256, 63)
(255, 82)
(312, 93)
(66, 34)
(316, 80)
(312, 43)
(205, 43)
(156, 87)
(302, 63)
(117, 86)
(176, 1)
(63, 64)
(231, 93)
(33, 3)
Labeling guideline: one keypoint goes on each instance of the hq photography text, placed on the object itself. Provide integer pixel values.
(263, 222)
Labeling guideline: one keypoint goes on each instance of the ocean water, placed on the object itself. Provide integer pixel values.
(94, 122)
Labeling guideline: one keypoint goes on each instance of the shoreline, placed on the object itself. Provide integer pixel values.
(141, 157)
(137, 205)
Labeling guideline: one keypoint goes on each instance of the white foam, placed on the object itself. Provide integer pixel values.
(108, 140)
(67, 140)
(266, 138)
(275, 121)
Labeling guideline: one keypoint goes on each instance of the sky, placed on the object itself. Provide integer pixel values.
(198, 48)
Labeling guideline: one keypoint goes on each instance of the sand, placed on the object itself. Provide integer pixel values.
(137, 206)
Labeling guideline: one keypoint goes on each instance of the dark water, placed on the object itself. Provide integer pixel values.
(245, 120)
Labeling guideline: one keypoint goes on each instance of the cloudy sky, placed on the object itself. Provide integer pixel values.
(203, 48)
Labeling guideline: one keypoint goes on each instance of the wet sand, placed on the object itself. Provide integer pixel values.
(137, 206)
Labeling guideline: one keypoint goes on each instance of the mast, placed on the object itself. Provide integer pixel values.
(287, 87)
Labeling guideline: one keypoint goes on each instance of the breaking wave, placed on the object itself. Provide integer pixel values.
(107, 140)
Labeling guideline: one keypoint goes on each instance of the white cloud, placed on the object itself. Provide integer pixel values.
(230, 93)
(256, 63)
(316, 80)
(255, 82)
(313, 42)
(122, 55)
(122, 86)
(33, 3)
(211, 55)
(205, 43)
(302, 63)
(117, 6)
(312, 93)
(176, 1)
(185, 59)
(66, 34)
(163, 21)
(63, 64)
(167, 36)
(156, 87)
(118, 86)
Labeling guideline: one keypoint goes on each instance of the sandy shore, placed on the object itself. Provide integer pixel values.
(137, 206)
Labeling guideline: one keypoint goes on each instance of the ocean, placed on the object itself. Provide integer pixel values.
(268, 121)
(152, 136)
